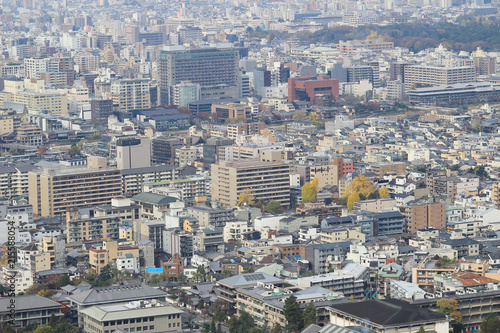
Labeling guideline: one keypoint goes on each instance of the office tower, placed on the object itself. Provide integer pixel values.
(266, 181)
(51, 191)
(133, 153)
(163, 150)
(130, 94)
(132, 34)
(207, 67)
(100, 110)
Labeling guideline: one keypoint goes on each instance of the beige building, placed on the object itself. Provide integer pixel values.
(130, 94)
(438, 76)
(375, 205)
(136, 316)
(52, 191)
(266, 181)
(33, 94)
(381, 169)
(109, 252)
(376, 45)
(341, 234)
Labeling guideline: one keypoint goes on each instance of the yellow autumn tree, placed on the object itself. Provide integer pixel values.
(310, 190)
(362, 185)
(353, 197)
(245, 198)
(383, 193)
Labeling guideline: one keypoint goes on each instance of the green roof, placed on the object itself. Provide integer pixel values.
(152, 198)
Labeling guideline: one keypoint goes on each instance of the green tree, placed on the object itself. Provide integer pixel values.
(233, 324)
(53, 320)
(421, 329)
(181, 278)
(9, 329)
(44, 329)
(219, 328)
(245, 321)
(310, 315)
(353, 197)
(213, 329)
(62, 281)
(277, 328)
(245, 198)
(74, 151)
(273, 207)
(491, 324)
(293, 314)
(299, 115)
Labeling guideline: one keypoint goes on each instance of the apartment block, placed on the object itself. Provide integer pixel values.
(51, 191)
(381, 169)
(376, 45)
(234, 130)
(422, 216)
(438, 76)
(266, 181)
(130, 94)
(85, 228)
(109, 252)
(14, 181)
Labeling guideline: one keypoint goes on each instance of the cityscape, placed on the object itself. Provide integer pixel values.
(307, 166)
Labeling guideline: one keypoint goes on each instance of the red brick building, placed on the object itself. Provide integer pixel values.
(306, 88)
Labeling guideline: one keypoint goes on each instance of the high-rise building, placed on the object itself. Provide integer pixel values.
(163, 150)
(100, 110)
(130, 94)
(266, 181)
(52, 191)
(207, 67)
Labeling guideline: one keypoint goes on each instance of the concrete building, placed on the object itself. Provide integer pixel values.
(207, 67)
(184, 93)
(471, 91)
(136, 316)
(19, 277)
(388, 316)
(422, 216)
(29, 309)
(438, 76)
(52, 191)
(130, 94)
(376, 45)
(266, 181)
(133, 153)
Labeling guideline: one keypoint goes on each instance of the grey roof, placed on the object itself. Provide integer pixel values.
(249, 279)
(153, 198)
(28, 302)
(156, 168)
(116, 294)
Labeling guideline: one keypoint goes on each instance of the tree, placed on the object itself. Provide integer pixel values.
(245, 198)
(8, 329)
(62, 281)
(421, 329)
(383, 192)
(293, 314)
(52, 320)
(299, 115)
(245, 321)
(353, 197)
(361, 184)
(213, 329)
(491, 324)
(310, 316)
(44, 329)
(277, 328)
(74, 151)
(273, 207)
(42, 150)
(448, 307)
(310, 190)
(181, 278)
(233, 324)
(34, 289)
(219, 328)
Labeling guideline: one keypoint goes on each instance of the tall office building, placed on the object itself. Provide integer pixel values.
(266, 181)
(423, 216)
(100, 110)
(51, 191)
(207, 67)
